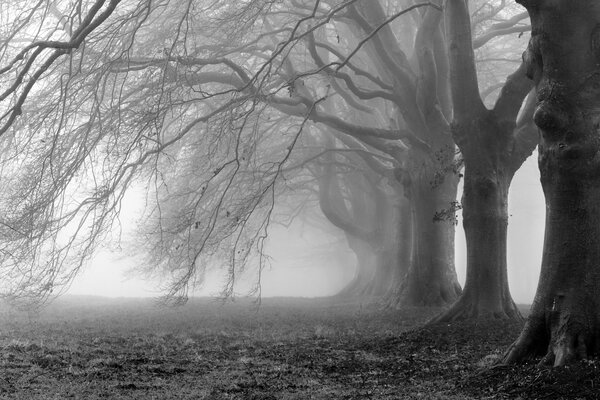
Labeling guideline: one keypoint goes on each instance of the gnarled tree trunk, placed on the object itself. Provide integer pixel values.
(564, 60)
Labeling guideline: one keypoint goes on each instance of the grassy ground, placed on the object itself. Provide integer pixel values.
(288, 349)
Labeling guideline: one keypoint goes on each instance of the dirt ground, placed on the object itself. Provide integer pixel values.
(92, 348)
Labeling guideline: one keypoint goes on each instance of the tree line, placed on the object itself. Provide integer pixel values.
(234, 115)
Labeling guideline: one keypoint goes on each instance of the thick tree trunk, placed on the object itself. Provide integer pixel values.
(564, 57)
(485, 220)
(490, 163)
(565, 318)
(431, 279)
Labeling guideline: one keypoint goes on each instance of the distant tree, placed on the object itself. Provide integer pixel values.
(374, 216)
(563, 59)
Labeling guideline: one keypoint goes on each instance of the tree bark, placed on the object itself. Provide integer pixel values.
(564, 60)
(485, 221)
(492, 154)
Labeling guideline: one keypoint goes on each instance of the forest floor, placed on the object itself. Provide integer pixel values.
(93, 348)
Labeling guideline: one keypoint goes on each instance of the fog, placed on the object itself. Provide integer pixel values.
(309, 262)
(373, 147)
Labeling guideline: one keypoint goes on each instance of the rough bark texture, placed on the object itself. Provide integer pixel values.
(564, 60)
(493, 148)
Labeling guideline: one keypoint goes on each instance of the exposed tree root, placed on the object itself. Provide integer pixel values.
(556, 338)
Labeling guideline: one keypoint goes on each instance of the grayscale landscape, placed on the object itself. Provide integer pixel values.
(299, 199)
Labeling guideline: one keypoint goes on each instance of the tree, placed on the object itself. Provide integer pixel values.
(42, 48)
(494, 143)
(418, 97)
(563, 59)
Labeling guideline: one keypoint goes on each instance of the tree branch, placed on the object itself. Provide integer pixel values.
(463, 74)
(514, 91)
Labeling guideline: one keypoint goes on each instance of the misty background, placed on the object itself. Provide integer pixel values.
(309, 262)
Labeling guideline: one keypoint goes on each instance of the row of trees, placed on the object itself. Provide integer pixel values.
(372, 109)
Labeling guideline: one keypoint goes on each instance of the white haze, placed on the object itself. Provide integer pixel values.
(303, 263)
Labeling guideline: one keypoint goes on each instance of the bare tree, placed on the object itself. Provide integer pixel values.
(272, 74)
(206, 104)
(42, 52)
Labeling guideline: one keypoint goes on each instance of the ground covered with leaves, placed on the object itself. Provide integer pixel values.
(93, 348)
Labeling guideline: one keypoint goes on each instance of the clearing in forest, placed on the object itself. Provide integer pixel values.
(287, 349)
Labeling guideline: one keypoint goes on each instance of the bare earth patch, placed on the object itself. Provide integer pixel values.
(287, 349)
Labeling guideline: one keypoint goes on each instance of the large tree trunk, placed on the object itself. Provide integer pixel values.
(492, 154)
(564, 57)
(565, 316)
(485, 220)
(431, 279)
